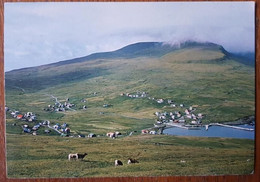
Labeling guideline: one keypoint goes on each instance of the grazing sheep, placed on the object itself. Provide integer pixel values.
(76, 156)
(132, 161)
(118, 163)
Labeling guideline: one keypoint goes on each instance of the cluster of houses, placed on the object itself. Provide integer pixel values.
(29, 116)
(33, 130)
(138, 94)
(187, 118)
(114, 134)
(151, 132)
(63, 128)
(170, 102)
(179, 117)
(60, 107)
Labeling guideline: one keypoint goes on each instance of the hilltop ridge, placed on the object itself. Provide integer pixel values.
(139, 49)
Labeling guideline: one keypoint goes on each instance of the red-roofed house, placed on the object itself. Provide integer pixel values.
(19, 116)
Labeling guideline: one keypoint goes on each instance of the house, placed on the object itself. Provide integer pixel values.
(83, 100)
(61, 109)
(153, 132)
(194, 122)
(46, 122)
(170, 101)
(182, 120)
(14, 114)
(200, 115)
(36, 127)
(31, 118)
(67, 130)
(57, 126)
(118, 133)
(143, 94)
(19, 116)
(91, 135)
(162, 117)
(28, 114)
(165, 114)
(181, 105)
(177, 112)
(157, 114)
(64, 125)
(145, 131)
(189, 116)
(106, 105)
(158, 122)
(111, 134)
(160, 101)
(26, 130)
(47, 131)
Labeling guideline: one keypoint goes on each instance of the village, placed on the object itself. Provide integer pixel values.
(179, 117)
(182, 116)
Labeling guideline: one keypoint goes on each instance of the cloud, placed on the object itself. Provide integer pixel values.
(50, 32)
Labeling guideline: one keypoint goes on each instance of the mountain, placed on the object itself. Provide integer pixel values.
(192, 73)
(142, 49)
(39, 77)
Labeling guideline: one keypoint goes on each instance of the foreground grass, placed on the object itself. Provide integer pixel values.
(161, 155)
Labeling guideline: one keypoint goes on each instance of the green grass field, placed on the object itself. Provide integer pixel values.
(42, 156)
(219, 87)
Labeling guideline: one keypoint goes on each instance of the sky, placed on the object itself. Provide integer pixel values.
(42, 33)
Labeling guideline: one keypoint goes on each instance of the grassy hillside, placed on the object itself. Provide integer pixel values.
(221, 88)
(200, 75)
(157, 155)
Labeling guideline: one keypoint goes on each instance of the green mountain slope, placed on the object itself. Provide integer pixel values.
(36, 78)
(194, 74)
